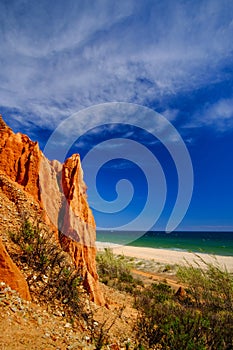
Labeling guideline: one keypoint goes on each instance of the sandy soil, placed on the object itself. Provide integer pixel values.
(165, 256)
(26, 325)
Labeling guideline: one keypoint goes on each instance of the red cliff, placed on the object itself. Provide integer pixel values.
(20, 159)
(60, 191)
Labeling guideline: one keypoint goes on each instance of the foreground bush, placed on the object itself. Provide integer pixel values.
(53, 279)
(110, 265)
(202, 319)
(51, 276)
(209, 286)
(115, 271)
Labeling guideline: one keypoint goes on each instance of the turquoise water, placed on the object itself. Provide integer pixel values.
(219, 243)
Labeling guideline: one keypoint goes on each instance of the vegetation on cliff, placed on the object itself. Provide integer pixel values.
(30, 182)
(50, 273)
(199, 315)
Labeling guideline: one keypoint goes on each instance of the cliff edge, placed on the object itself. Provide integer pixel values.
(54, 189)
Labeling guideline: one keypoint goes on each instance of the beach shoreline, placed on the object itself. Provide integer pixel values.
(168, 256)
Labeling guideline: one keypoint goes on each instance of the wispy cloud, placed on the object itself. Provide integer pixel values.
(57, 58)
(218, 115)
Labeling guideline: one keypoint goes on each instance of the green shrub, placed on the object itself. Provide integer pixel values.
(208, 285)
(201, 320)
(50, 275)
(110, 265)
(114, 271)
(171, 327)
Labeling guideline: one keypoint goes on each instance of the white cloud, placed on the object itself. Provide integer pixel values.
(59, 58)
(170, 114)
(219, 114)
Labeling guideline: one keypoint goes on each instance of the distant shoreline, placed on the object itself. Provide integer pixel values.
(168, 256)
(218, 243)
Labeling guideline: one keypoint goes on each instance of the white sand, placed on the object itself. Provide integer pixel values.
(166, 256)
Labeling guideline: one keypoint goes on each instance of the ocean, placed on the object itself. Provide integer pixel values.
(217, 243)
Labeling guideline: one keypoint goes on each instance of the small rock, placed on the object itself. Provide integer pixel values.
(58, 313)
(13, 309)
(180, 293)
(114, 347)
(68, 325)
(39, 320)
(53, 337)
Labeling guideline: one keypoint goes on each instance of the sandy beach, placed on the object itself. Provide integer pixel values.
(166, 256)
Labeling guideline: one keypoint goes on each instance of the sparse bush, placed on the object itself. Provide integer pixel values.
(209, 286)
(114, 271)
(50, 274)
(112, 265)
(99, 331)
(52, 279)
(203, 319)
(169, 326)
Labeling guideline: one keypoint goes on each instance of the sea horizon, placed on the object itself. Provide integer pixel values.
(209, 242)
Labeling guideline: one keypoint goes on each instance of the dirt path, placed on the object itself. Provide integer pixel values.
(149, 277)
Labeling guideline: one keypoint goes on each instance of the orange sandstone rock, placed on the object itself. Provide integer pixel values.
(11, 275)
(61, 192)
(80, 234)
(20, 159)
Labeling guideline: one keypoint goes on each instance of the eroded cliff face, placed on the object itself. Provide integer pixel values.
(59, 190)
(80, 234)
(20, 159)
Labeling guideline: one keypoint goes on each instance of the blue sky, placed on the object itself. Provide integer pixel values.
(174, 57)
